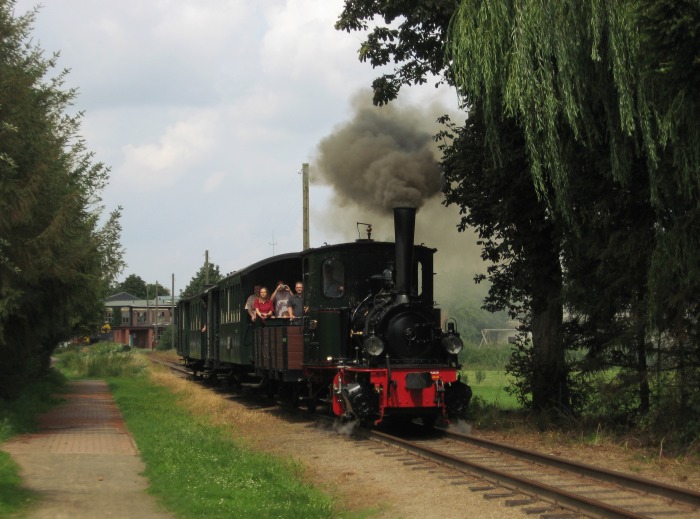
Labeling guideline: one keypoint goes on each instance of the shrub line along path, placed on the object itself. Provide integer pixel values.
(83, 463)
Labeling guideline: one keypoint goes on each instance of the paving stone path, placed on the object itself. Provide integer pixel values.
(83, 463)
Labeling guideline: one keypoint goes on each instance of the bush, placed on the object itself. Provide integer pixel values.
(104, 359)
(166, 340)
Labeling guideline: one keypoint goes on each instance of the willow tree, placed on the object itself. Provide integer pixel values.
(578, 64)
(623, 75)
(619, 80)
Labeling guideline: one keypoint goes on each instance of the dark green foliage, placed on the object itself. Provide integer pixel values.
(613, 87)
(578, 166)
(138, 288)
(18, 417)
(520, 240)
(133, 285)
(156, 289)
(55, 261)
(207, 273)
(414, 44)
(165, 342)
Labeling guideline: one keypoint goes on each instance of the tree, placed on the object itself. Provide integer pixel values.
(208, 272)
(594, 123)
(523, 244)
(495, 194)
(138, 288)
(56, 262)
(413, 38)
(157, 289)
(133, 285)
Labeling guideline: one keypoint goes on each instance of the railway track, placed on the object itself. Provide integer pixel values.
(176, 367)
(544, 484)
(527, 478)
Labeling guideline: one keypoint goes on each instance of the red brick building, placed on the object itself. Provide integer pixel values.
(138, 322)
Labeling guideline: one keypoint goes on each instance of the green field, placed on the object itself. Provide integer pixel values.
(483, 368)
(489, 386)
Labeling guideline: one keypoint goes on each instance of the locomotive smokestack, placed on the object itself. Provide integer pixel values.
(404, 228)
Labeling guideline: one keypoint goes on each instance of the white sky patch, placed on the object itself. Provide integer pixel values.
(214, 181)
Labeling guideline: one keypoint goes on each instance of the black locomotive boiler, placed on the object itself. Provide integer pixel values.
(370, 345)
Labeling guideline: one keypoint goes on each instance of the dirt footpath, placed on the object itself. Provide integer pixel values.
(83, 463)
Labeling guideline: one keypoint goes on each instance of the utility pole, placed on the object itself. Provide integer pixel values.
(206, 267)
(155, 331)
(305, 199)
(172, 299)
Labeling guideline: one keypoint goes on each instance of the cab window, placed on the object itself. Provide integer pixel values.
(333, 272)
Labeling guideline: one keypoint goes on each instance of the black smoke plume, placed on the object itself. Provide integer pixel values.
(382, 158)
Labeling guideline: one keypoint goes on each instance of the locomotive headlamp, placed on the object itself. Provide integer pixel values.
(373, 345)
(453, 344)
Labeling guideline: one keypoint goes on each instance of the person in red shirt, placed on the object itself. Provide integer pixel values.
(263, 306)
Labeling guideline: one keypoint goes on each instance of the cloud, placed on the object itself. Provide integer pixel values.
(183, 144)
(302, 44)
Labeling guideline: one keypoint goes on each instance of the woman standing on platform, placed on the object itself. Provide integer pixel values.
(263, 306)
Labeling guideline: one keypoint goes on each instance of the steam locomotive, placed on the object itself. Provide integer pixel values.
(370, 346)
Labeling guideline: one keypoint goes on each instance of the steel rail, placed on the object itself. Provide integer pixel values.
(648, 486)
(512, 481)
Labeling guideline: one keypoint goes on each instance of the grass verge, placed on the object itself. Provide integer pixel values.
(198, 470)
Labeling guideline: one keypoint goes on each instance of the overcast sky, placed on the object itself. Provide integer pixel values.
(205, 111)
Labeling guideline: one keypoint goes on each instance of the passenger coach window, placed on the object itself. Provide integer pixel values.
(333, 278)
